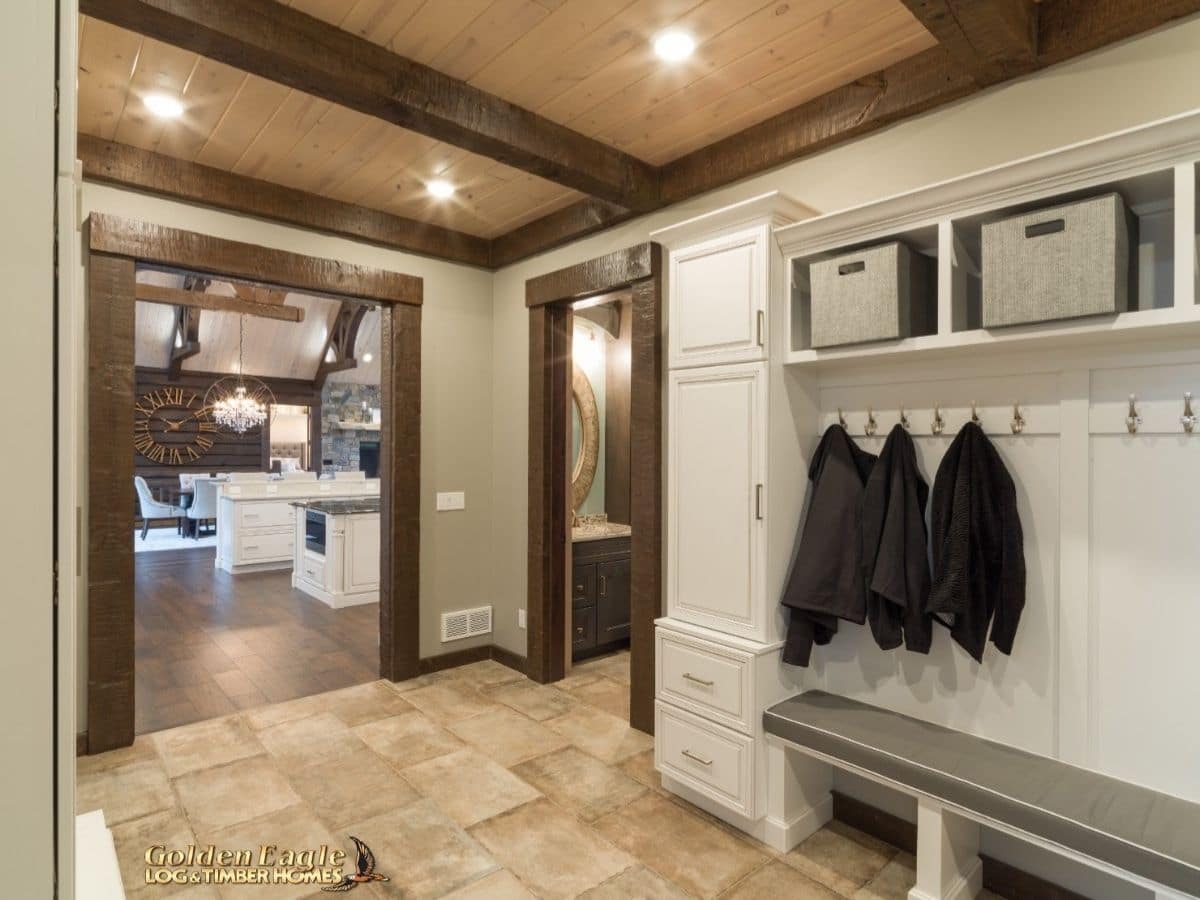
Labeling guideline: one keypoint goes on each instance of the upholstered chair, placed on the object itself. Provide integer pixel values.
(151, 508)
(204, 505)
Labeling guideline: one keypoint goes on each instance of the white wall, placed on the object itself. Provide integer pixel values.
(27, 176)
(456, 401)
(1139, 81)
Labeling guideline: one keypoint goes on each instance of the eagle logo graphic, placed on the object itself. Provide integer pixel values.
(365, 864)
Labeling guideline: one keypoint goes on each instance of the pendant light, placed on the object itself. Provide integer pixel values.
(239, 403)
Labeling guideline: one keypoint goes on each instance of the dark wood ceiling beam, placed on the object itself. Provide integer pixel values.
(922, 82)
(561, 227)
(340, 345)
(152, 293)
(143, 170)
(283, 45)
(993, 40)
(1068, 28)
(185, 340)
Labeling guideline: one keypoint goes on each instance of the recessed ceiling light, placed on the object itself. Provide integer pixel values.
(367, 357)
(164, 106)
(440, 189)
(674, 46)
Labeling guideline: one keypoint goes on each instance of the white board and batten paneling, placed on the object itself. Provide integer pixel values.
(1101, 672)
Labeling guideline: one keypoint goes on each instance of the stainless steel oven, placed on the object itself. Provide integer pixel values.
(314, 531)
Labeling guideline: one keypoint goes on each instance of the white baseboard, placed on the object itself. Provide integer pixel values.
(965, 887)
(783, 836)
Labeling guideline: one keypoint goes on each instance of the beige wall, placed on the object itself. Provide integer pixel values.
(1149, 78)
(27, 175)
(456, 402)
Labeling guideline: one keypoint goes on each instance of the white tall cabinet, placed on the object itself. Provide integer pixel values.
(737, 424)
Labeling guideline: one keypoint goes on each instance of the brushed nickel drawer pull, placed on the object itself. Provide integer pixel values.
(758, 502)
(694, 758)
(762, 323)
(704, 681)
(603, 587)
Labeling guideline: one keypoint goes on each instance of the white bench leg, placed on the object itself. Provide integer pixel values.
(948, 864)
(798, 795)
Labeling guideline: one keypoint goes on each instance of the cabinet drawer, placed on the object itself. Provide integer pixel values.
(263, 547)
(265, 515)
(583, 628)
(583, 584)
(706, 678)
(708, 758)
(313, 570)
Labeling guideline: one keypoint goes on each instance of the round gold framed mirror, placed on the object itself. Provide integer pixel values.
(586, 446)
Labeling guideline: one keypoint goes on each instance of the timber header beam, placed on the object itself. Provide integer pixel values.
(270, 40)
(993, 40)
(152, 293)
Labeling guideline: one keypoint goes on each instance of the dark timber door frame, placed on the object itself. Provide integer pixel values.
(637, 270)
(115, 248)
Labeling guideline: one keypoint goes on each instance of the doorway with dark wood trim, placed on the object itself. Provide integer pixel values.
(638, 271)
(115, 248)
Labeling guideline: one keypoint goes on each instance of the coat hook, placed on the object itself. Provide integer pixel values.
(903, 419)
(1189, 418)
(939, 424)
(974, 413)
(872, 426)
(841, 418)
(1133, 420)
(1018, 421)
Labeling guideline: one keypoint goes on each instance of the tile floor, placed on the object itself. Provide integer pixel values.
(469, 783)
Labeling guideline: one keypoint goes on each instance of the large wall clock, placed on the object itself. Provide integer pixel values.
(171, 426)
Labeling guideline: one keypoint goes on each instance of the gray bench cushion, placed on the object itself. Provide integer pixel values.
(1135, 829)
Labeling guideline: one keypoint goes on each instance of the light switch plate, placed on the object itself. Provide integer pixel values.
(447, 500)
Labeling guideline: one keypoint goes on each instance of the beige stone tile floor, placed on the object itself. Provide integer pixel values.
(468, 783)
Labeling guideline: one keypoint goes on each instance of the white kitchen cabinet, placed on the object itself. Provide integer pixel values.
(716, 498)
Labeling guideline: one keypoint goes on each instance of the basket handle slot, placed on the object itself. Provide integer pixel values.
(852, 267)
(1052, 227)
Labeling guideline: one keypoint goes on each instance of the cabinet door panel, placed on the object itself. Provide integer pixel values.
(583, 628)
(612, 601)
(583, 584)
(716, 498)
(718, 293)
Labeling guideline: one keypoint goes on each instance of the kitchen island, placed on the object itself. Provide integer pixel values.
(336, 556)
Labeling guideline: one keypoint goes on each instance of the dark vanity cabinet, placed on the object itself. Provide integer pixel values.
(599, 595)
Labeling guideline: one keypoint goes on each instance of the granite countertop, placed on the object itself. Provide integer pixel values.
(354, 506)
(599, 532)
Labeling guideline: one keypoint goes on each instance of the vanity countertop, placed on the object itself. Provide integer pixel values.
(599, 532)
(347, 507)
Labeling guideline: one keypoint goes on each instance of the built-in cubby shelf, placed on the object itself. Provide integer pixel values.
(1153, 168)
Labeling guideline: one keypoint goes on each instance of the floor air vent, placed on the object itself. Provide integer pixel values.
(465, 623)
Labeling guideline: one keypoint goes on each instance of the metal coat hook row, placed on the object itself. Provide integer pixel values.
(1133, 420)
(939, 424)
(841, 418)
(872, 426)
(1018, 421)
(974, 413)
(1189, 418)
(903, 419)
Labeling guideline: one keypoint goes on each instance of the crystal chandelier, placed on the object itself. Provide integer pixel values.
(234, 404)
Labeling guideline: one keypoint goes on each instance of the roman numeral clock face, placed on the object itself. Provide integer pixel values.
(172, 426)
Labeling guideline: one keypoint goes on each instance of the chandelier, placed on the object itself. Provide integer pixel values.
(239, 403)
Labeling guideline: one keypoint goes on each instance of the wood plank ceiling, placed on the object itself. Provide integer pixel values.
(553, 118)
(586, 64)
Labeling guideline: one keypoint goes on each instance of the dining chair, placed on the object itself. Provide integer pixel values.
(151, 508)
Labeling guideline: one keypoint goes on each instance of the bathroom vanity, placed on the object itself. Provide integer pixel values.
(337, 550)
(599, 589)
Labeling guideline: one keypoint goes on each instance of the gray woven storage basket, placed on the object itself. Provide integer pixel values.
(879, 293)
(1058, 263)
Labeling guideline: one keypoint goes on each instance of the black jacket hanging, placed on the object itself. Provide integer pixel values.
(895, 547)
(826, 580)
(978, 547)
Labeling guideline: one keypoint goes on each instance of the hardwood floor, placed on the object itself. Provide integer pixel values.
(209, 643)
